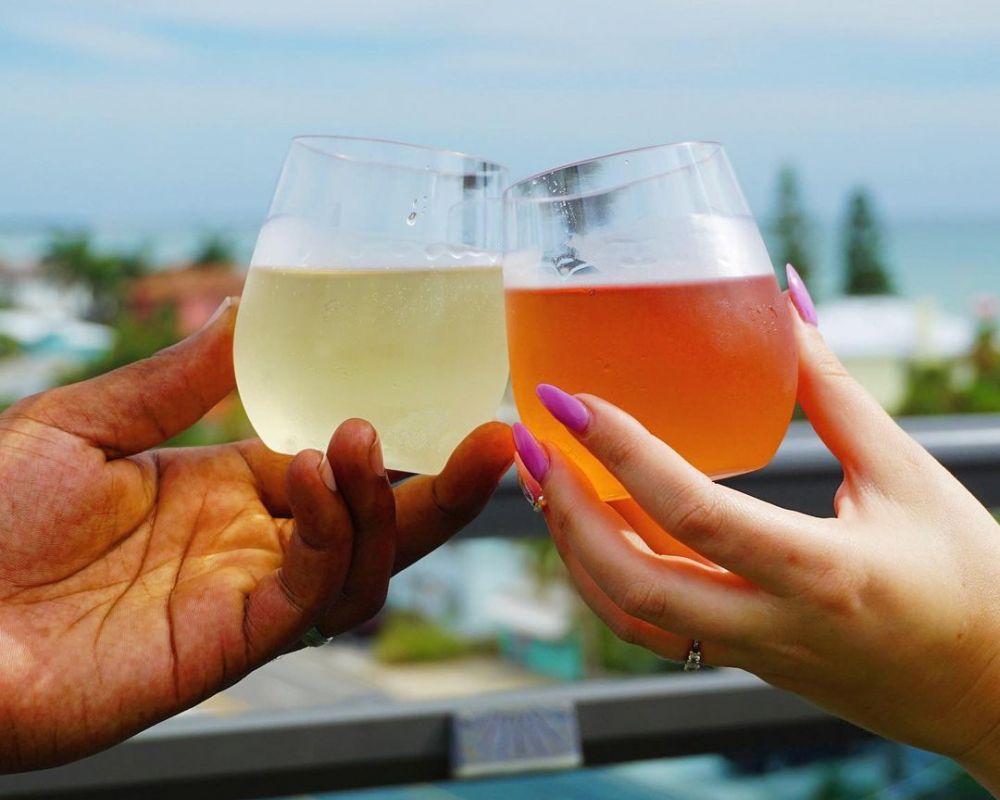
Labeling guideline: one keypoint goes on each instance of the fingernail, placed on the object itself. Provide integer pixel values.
(564, 407)
(529, 486)
(222, 309)
(375, 457)
(800, 296)
(326, 474)
(533, 455)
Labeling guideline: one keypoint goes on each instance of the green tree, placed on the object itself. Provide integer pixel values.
(71, 260)
(983, 394)
(865, 270)
(213, 251)
(932, 388)
(790, 227)
(9, 346)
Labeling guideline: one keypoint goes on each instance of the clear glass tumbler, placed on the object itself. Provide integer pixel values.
(641, 277)
(375, 291)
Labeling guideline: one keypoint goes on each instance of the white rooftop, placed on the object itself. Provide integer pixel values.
(30, 328)
(896, 327)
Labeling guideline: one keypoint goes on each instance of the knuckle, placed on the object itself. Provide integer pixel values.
(645, 600)
(619, 452)
(564, 517)
(828, 366)
(294, 598)
(697, 512)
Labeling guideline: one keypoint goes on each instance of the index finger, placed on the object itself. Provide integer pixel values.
(752, 538)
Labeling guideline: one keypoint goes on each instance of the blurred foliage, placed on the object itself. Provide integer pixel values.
(835, 785)
(136, 339)
(933, 388)
(790, 227)
(960, 787)
(611, 654)
(9, 346)
(214, 250)
(605, 652)
(865, 268)
(71, 260)
(406, 637)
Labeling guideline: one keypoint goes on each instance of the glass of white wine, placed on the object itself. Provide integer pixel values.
(375, 291)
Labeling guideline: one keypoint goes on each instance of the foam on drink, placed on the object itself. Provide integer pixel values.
(693, 248)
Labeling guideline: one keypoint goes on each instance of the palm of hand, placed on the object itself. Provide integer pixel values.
(136, 582)
(123, 584)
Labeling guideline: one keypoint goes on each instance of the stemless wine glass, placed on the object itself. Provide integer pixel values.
(641, 277)
(375, 291)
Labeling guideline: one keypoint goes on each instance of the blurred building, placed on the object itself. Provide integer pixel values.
(192, 292)
(879, 338)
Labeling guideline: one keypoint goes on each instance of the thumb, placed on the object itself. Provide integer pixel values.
(861, 435)
(141, 405)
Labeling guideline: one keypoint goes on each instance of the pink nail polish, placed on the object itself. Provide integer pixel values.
(326, 474)
(530, 488)
(800, 296)
(564, 407)
(535, 459)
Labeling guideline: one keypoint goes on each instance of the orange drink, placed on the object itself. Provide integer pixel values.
(641, 277)
(708, 367)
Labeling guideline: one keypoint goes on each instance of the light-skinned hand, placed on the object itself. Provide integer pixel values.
(887, 614)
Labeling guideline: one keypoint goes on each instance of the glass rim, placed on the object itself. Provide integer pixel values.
(714, 148)
(489, 166)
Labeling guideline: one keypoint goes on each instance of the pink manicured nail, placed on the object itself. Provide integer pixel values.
(533, 455)
(326, 474)
(529, 486)
(800, 296)
(564, 407)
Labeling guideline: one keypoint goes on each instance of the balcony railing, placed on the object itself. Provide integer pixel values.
(294, 751)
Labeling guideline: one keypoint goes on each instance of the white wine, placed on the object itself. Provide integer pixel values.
(419, 352)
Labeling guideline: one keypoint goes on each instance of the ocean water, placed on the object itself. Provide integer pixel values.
(955, 261)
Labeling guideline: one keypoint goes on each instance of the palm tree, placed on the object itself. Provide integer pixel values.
(71, 260)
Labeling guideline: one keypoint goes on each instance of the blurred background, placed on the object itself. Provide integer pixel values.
(139, 146)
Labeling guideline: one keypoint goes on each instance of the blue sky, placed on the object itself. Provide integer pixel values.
(181, 110)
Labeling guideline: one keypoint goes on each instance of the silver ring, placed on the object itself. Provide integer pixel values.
(694, 657)
(314, 638)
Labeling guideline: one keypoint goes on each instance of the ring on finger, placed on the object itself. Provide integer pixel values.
(693, 662)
